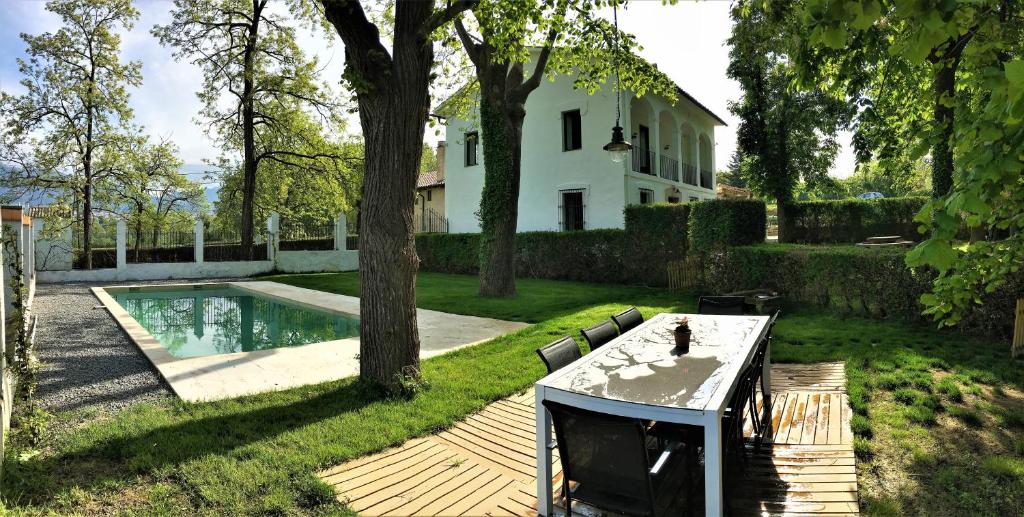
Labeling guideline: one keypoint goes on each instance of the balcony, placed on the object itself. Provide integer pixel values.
(643, 161)
(705, 178)
(689, 174)
(668, 168)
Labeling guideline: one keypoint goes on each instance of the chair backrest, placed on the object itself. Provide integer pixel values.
(603, 453)
(724, 305)
(599, 334)
(628, 319)
(559, 353)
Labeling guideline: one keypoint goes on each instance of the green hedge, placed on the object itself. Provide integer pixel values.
(849, 280)
(849, 221)
(718, 223)
(588, 256)
(655, 235)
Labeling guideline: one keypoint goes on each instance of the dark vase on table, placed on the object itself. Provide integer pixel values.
(682, 340)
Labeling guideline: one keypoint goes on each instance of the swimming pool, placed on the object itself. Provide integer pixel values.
(206, 320)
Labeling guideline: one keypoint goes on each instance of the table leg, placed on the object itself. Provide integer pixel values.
(713, 467)
(544, 488)
(767, 433)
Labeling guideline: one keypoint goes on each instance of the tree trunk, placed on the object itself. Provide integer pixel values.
(87, 219)
(393, 106)
(499, 203)
(942, 151)
(249, 136)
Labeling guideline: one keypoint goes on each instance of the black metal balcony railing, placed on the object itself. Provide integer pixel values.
(643, 161)
(668, 168)
(432, 222)
(705, 178)
(689, 174)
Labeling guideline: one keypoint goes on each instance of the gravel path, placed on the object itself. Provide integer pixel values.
(88, 362)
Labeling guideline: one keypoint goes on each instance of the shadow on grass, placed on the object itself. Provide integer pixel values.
(127, 448)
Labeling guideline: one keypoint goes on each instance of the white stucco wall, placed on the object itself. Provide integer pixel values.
(547, 169)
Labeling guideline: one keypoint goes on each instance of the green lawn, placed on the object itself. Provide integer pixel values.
(939, 417)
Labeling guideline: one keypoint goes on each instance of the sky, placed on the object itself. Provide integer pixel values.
(687, 41)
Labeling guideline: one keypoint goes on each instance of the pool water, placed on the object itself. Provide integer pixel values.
(197, 322)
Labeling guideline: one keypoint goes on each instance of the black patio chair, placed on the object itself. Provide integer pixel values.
(606, 461)
(722, 305)
(599, 334)
(761, 419)
(740, 404)
(559, 353)
(628, 319)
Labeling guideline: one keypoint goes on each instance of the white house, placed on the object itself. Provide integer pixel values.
(568, 181)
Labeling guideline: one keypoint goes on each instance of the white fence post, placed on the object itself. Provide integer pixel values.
(199, 241)
(122, 244)
(273, 225)
(341, 232)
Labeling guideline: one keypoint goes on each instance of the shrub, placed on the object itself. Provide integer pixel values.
(587, 256)
(456, 253)
(721, 223)
(849, 221)
(655, 235)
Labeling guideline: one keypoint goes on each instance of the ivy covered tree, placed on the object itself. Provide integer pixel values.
(785, 135)
(391, 77)
(966, 56)
(74, 109)
(512, 46)
(249, 51)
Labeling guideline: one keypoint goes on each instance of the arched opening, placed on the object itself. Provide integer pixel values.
(689, 165)
(668, 147)
(641, 120)
(705, 162)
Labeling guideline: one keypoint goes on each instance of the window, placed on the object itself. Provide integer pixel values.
(572, 136)
(646, 196)
(571, 210)
(472, 141)
(429, 192)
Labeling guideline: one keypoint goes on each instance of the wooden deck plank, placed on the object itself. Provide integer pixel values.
(484, 465)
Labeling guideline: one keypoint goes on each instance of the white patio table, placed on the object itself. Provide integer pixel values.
(641, 375)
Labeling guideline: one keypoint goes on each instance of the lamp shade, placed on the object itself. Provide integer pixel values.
(618, 148)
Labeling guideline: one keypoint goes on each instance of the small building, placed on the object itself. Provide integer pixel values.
(429, 208)
(568, 180)
(730, 192)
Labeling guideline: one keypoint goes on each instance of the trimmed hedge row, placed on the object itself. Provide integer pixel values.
(849, 280)
(727, 222)
(849, 221)
(654, 236)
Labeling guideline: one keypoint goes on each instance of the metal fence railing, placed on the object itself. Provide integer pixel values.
(668, 168)
(226, 245)
(689, 174)
(307, 236)
(151, 246)
(643, 161)
(103, 241)
(432, 222)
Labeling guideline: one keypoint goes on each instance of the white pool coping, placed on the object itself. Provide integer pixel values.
(225, 376)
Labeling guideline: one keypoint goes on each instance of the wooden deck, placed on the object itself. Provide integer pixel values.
(485, 465)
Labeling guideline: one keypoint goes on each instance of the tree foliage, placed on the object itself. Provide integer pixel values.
(512, 46)
(248, 51)
(75, 107)
(970, 51)
(786, 135)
